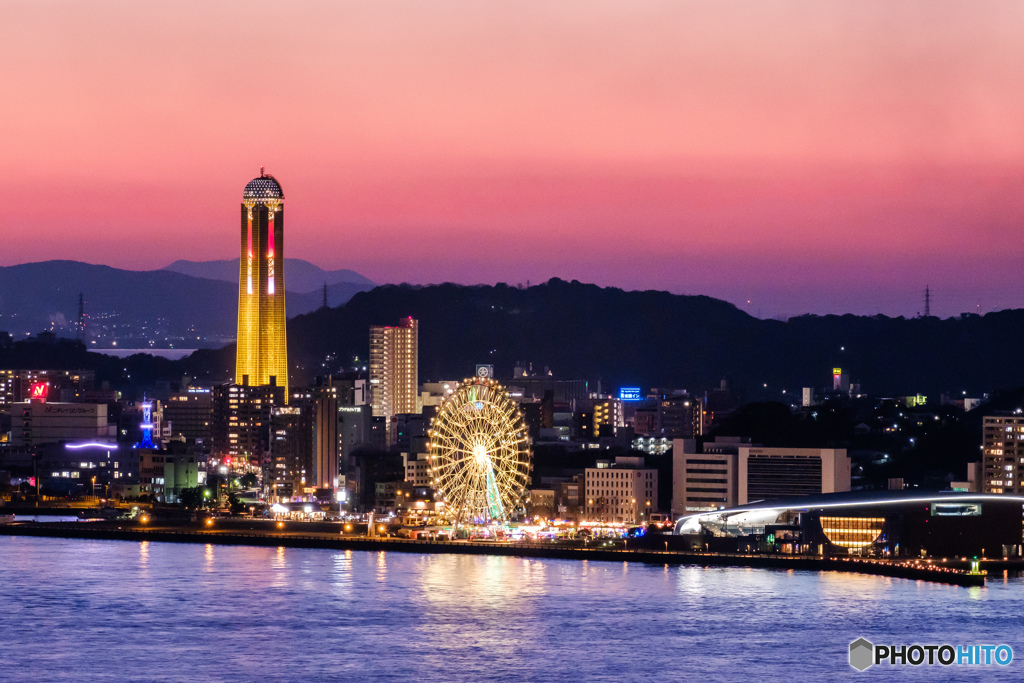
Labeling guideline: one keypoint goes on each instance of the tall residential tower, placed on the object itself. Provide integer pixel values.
(1003, 453)
(394, 368)
(262, 355)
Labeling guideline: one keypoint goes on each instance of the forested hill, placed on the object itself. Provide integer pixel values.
(651, 338)
(646, 339)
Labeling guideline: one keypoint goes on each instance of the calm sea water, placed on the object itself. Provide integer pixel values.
(125, 611)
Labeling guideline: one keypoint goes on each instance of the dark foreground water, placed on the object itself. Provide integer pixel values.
(125, 611)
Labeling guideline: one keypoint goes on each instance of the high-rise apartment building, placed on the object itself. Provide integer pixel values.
(262, 354)
(290, 474)
(326, 443)
(17, 386)
(394, 368)
(1003, 453)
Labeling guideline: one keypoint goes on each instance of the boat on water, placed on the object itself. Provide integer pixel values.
(6, 519)
(107, 513)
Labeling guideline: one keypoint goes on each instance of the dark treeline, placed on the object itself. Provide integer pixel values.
(621, 338)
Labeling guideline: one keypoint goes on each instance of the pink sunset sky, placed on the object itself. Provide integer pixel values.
(810, 156)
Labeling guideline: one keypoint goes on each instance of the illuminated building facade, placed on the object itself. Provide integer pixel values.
(189, 415)
(305, 446)
(394, 368)
(147, 425)
(876, 523)
(623, 491)
(1003, 453)
(704, 475)
(54, 385)
(771, 473)
(728, 471)
(35, 423)
(598, 416)
(91, 467)
(291, 475)
(241, 420)
(262, 354)
(673, 417)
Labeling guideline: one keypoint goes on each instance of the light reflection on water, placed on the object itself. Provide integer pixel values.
(114, 611)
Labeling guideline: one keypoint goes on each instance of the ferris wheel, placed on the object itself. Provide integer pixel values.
(479, 453)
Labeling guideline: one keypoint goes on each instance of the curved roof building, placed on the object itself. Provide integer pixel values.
(263, 188)
(885, 523)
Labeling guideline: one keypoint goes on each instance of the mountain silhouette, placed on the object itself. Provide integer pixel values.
(137, 304)
(300, 276)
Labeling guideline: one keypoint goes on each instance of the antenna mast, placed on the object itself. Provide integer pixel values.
(81, 317)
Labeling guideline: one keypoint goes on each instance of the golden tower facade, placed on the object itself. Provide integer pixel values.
(262, 353)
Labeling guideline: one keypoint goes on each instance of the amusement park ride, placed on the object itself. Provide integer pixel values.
(480, 454)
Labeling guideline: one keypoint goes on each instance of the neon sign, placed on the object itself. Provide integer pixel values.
(39, 390)
(629, 394)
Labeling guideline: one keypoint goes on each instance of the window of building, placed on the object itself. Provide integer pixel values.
(852, 532)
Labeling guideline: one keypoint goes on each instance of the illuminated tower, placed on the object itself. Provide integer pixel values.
(394, 368)
(147, 424)
(262, 354)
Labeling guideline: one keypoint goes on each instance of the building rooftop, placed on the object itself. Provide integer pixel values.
(263, 188)
(763, 511)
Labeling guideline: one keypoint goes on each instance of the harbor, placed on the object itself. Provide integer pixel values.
(955, 571)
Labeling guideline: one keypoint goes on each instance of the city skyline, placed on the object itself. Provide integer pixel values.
(564, 393)
(802, 159)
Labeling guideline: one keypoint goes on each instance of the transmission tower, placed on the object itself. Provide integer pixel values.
(81, 318)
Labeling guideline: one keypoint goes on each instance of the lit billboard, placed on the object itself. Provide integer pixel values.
(39, 390)
(630, 394)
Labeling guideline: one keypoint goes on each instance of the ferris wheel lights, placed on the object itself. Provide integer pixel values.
(479, 461)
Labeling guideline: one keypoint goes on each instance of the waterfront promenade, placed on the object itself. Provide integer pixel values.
(293, 535)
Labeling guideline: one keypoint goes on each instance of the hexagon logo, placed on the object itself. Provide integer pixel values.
(862, 654)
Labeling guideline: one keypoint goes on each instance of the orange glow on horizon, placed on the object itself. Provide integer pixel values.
(769, 151)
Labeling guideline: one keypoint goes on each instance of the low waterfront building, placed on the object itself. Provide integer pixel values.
(88, 468)
(35, 423)
(416, 464)
(704, 474)
(869, 523)
(623, 491)
(541, 503)
(730, 471)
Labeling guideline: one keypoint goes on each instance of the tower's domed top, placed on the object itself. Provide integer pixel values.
(263, 188)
